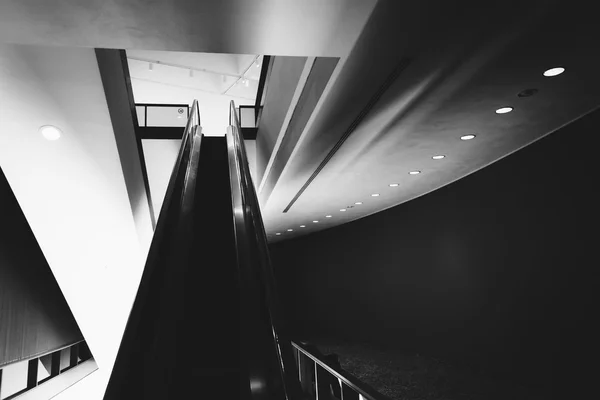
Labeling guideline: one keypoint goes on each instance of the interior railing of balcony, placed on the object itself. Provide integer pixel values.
(18, 380)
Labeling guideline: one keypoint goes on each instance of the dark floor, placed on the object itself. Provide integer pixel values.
(414, 377)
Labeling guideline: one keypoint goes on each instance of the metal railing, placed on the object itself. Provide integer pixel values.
(322, 380)
(55, 361)
(170, 114)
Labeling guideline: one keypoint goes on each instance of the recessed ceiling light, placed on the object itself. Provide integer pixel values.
(414, 172)
(554, 71)
(290, 230)
(50, 132)
(342, 209)
(393, 184)
(358, 203)
(328, 216)
(467, 137)
(375, 195)
(278, 233)
(302, 226)
(315, 222)
(504, 110)
(438, 157)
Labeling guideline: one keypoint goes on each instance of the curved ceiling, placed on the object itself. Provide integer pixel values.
(459, 65)
(283, 27)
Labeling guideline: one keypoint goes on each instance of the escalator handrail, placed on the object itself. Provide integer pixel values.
(161, 235)
(250, 210)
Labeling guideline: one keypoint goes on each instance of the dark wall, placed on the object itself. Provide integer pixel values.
(34, 316)
(496, 270)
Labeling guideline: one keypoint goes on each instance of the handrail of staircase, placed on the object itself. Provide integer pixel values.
(350, 386)
(256, 258)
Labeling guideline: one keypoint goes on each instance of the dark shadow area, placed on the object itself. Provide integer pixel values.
(492, 274)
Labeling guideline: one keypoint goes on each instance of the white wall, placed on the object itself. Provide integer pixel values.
(160, 156)
(72, 190)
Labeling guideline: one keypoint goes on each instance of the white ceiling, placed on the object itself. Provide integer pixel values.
(282, 27)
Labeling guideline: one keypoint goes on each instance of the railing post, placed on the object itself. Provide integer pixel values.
(55, 364)
(305, 373)
(322, 383)
(32, 373)
(74, 356)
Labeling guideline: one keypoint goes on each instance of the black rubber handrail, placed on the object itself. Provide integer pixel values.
(253, 254)
(169, 239)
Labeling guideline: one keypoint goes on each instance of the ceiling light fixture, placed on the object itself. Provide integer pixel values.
(438, 157)
(50, 132)
(554, 71)
(342, 209)
(393, 184)
(328, 216)
(290, 230)
(358, 203)
(467, 137)
(375, 195)
(302, 226)
(414, 172)
(315, 222)
(278, 233)
(504, 110)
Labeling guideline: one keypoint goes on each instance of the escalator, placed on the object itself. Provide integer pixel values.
(205, 323)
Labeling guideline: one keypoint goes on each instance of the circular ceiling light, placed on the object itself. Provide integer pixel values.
(414, 172)
(50, 132)
(554, 71)
(302, 226)
(342, 209)
(393, 184)
(358, 203)
(467, 137)
(315, 222)
(375, 195)
(328, 216)
(504, 110)
(278, 233)
(438, 157)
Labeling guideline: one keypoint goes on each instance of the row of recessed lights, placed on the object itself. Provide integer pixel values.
(503, 110)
